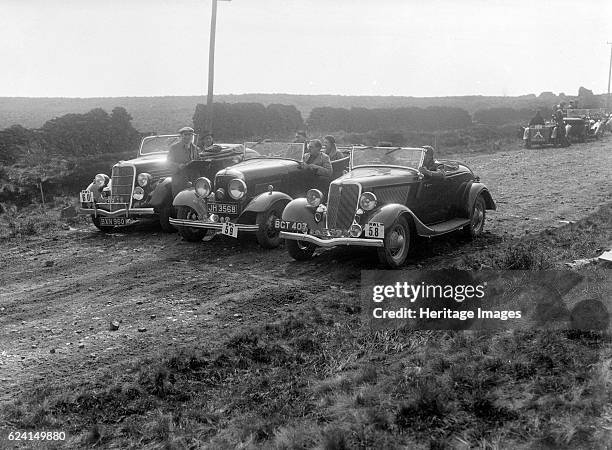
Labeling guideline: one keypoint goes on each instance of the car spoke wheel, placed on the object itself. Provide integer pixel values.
(188, 233)
(397, 243)
(104, 228)
(267, 236)
(477, 219)
(300, 250)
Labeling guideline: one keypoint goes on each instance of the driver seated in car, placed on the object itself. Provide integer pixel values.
(317, 161)
(430, 168)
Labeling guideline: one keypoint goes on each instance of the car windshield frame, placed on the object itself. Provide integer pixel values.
(254, 146)
(157, 136)
(389, 149)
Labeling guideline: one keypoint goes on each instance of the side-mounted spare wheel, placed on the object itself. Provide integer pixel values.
(477, 219)
(266, 235)
(188, 233)
(399, 240)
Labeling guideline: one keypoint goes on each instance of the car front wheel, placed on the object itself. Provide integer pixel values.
(477, 219)
(299, 250)
(397, 243)
(267, 236)
(188, 233)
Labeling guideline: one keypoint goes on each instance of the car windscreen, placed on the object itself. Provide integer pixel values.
(285, 150)
(386, 156)
(157, 144)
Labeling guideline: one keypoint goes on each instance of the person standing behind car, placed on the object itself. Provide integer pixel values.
(179, 156)
(329, 144)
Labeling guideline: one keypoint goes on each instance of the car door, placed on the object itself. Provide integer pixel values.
(432, 201)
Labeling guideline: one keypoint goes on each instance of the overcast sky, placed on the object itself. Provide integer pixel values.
(91, 48)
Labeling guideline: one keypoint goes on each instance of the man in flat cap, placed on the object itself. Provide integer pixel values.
(179, 156)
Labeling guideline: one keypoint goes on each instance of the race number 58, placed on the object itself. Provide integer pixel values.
(230, 229)
(86, 196)
(375, 230)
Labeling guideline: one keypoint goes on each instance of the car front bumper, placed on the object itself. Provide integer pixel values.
(332, 242)
(125, 212)
(211, 225)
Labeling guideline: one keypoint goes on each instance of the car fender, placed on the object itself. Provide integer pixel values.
(389, 214)
(190, 199)
(162, 194)
(264, 201)
(298, 211)
(475, 190)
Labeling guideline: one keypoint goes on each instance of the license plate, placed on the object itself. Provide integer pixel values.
(113, 221)
(229, 229)
(86, 196)
(287, 225)
(374, 230)
(222, 208)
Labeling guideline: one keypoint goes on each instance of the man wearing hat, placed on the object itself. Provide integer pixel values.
(179, 156)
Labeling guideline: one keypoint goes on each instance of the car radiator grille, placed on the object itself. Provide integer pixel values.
(341, 205)
(121, 188)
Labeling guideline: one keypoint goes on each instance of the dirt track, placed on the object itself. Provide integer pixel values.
(58, 294)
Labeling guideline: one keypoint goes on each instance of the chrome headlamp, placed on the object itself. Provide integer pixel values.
(100, 180)
(202, 187)
(236, 189)
(220, 194)
(355, 230)
(138, 193)
(367, 201)
(143, 179)
(314, 197)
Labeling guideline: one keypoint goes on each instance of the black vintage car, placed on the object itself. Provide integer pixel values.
(140, 188)
(250, 196)
(543, 135)
(384, 201)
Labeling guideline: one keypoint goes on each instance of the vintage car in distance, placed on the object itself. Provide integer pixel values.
(542, 135)
(250, 196)
(384, 201)
(140, 188)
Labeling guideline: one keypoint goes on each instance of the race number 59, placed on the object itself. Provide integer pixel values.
(375, 230)
(86, 196)
(230, 229)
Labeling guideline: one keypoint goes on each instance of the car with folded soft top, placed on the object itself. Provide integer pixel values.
(141, 188)
(386, 201)
(249, 196)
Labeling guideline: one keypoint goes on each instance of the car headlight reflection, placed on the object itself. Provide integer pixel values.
(314, 197)
(367, 201)
(138, 193)
(100, 180)
(237, 189)
(143, 179)
(202, 187)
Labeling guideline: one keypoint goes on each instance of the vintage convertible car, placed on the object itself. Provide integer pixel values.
(250, 196)
(140, 188)
(542, 135)
(384, 201)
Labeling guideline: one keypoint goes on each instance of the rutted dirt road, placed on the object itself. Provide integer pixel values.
(58, 294)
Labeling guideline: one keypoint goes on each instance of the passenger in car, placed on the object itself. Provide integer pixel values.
(430, 168)
(316, 160)
(329, 145)
(179, 156)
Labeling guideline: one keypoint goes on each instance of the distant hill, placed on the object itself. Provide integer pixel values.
(166, 114)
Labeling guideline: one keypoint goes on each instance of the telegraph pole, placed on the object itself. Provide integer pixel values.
(211, 67)
(609, 77)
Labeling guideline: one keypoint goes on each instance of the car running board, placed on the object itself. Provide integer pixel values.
(440, 228)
